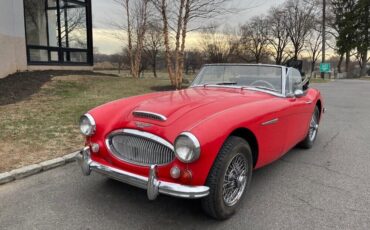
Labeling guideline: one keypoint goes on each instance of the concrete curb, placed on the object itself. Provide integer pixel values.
(33, 169)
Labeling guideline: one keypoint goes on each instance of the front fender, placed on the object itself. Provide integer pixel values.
(213, 132)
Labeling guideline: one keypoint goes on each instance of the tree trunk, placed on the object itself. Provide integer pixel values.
(296, 52)
(178, 72)
(313, 63)
(279, 57)
(257, 59)
(167, 42)
(339, 66)
(348, 59)
(154, 65)
(140, 44)
(181, 59)
(364, 64)
(366, 39)
(129, 38)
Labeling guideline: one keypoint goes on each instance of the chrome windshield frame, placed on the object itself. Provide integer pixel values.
(284, 75)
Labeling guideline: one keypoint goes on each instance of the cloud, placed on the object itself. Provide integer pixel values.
(108, 41)
(111, 41)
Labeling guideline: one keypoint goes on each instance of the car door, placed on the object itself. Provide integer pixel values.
(298, 112)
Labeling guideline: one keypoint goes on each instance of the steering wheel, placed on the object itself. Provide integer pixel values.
(263, 82)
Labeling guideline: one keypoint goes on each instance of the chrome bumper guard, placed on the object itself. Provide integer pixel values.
(151, 183)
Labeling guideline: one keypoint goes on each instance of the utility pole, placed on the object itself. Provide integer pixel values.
(323, 34)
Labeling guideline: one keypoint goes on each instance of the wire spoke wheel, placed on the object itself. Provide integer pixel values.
(235, 180)
(314, 125)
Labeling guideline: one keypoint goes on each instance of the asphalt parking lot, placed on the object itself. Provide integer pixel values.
(326, 187)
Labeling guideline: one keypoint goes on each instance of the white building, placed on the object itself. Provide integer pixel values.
(45, 34)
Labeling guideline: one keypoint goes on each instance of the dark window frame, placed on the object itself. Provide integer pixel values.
(60, 49)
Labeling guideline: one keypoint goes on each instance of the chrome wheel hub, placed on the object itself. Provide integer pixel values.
(314, 125)
(235, 180)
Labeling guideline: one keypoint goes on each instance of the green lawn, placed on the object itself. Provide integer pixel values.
(45, 125)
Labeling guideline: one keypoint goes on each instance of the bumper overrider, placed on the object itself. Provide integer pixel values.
(150, 183)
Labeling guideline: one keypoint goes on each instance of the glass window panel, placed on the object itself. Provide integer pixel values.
(38, 55)
(73, 25)
(52, 3)
(54, 56)
(53, 28)
(35, 19)
(294, 81)
(75, 56)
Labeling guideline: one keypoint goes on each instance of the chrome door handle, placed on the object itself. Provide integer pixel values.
(308, 102)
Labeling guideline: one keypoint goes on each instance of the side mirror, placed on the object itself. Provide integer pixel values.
(298, 93)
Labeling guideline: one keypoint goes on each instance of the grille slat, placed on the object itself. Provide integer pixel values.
(139, 150)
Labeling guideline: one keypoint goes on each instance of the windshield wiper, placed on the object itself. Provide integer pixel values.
(219, 83)
(261, 87)
(226, 83)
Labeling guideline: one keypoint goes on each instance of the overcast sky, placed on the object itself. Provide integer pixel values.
(106, 12)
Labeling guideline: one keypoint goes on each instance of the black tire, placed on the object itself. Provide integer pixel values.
(308, 142)
(235, 149)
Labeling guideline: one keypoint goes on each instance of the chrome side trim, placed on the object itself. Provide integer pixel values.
(265, 91)
(270, 122)
(150, 115)
(150, 183)
(308, 102)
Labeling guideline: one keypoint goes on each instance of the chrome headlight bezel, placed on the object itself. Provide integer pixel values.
(88, 121)
(187, 148)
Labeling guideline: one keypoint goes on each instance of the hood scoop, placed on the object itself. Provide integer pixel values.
(149, 115)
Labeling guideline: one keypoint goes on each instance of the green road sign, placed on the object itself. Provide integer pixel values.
(325, 67)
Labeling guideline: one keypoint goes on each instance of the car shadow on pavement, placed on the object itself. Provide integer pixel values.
(129, 202)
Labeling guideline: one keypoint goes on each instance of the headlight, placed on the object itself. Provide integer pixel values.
(187, 147)
(87, 125)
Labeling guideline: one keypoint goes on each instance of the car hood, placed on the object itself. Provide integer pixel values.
(183, 109)
(197, 103)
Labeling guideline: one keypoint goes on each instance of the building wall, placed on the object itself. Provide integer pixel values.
(12, 37)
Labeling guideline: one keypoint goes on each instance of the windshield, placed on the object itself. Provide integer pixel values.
(254, 76)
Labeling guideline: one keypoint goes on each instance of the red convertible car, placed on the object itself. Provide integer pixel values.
(204, 141)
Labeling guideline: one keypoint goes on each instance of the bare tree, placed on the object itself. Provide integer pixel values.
(362, 60)
(278, 34)
(255, 38)
(153, 44)
(344, 23)
(363, 34)
(193, 60)
(136, 21)
(178, 15)
(332, 33)
(299, 22)
(217, 45)
(313, 46)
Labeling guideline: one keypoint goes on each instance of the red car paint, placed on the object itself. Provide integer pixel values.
(211, 114)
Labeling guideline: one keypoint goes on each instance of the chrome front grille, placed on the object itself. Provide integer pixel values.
(140, 148)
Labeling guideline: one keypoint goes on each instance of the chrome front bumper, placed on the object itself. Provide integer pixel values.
(150, 183)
